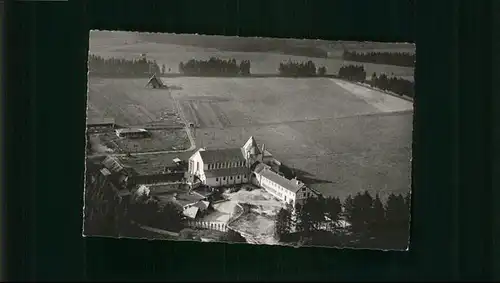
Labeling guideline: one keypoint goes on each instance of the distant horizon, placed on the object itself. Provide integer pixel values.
(180, 39)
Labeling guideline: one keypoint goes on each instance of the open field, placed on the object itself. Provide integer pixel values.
(171, 52)
(236, 102)
(160, 140)
(130, 103)
(348, 141)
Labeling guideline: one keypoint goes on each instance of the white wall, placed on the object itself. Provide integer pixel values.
(276, 190)
(212, 182)
(219, 181)
(196, 166)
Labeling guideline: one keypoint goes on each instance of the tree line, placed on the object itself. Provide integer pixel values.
(300, 69)
(215, 66)
(397, 85)
(372, 224)
(120, 66)
(404, 59)
(109, 214)
(393, 84)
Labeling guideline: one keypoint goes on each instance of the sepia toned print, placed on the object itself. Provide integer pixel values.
(249, 140)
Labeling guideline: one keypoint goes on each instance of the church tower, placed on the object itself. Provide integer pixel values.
(251, 151)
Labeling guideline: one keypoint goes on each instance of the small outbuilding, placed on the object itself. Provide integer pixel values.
(132, 133)
(155, 82)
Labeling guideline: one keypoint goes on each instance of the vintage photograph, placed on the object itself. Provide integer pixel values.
(263, 141)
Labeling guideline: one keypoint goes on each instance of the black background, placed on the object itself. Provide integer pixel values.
(452, 232)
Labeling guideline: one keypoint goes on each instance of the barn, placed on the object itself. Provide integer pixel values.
(155, 82)
(100, 124)
(132, 133)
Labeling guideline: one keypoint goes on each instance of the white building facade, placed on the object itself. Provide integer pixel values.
(219, 167)
(289, 191)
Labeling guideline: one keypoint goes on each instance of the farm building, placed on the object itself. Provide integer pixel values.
(155, 82)
(132, 133)
(117, 172)
(149, 170)
(132, 172)
(290, 191)
(101, 124)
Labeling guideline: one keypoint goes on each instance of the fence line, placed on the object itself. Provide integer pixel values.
(211, 225)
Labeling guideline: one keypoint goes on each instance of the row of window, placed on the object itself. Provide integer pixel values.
(224, 165)
(230, 178)
(278, 188)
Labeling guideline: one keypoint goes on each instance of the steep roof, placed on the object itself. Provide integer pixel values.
(155, 81)
(226, 172)
(251, 144)
(291, 185)
(112, 164)
(210, 156)
(191, 212)
(202, 205)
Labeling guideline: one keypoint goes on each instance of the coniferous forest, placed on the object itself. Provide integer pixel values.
(397, 85)
(215, 67)
(372, 223)
(403, 59)
(122, 67)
